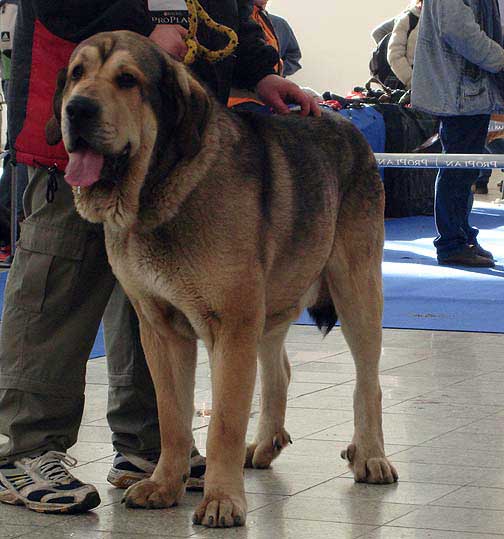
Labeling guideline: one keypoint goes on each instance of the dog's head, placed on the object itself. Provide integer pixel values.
(123, 108)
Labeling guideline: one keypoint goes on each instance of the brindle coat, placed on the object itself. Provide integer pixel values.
(224, 227)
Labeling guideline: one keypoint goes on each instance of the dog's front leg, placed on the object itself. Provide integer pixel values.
(172, 363)
(234, 360)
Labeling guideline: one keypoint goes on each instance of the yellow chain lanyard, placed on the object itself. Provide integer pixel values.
(198, 15)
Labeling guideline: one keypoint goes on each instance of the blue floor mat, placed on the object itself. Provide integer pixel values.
(419, 294)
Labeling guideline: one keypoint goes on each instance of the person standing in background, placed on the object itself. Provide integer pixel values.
(288, 46)
(383, 30)
(401, 33)
(458, 76)
(402, 43)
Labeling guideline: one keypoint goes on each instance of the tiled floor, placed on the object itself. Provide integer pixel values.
(443, 397)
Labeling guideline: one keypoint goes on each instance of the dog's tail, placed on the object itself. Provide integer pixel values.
(323, 312)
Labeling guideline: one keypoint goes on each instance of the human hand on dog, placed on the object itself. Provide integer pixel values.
(170, 37)
(277, 92)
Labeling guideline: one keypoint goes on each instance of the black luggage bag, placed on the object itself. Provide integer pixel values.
(408, 191)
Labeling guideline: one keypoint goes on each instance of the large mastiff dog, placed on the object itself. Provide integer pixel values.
(224, 227)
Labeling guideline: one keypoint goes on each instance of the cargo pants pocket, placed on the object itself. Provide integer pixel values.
(46, 269)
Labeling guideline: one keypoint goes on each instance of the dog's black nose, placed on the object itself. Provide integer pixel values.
(81, 108)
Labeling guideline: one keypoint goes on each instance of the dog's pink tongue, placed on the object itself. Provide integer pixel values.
(84, 167)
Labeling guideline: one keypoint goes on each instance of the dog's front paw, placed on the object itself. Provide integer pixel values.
(147, 494)
(261, 454)
(369, 466)
(221, 511)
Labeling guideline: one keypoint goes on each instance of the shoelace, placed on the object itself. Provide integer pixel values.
(50, 464)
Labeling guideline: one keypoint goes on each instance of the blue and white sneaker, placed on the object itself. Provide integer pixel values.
(128, 469)
(43, 484)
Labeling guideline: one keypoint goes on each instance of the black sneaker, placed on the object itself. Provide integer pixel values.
(43, 484)
(128, 469)
(468, 256)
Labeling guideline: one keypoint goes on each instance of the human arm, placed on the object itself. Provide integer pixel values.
(458, 27)
(277, 92)
(170, 37)
(397, 50)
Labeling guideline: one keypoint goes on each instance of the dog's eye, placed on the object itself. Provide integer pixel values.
(126, 80)
(77, 72)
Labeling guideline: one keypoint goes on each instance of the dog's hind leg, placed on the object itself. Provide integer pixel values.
(172, 362)
(355, 283)
(271, 436)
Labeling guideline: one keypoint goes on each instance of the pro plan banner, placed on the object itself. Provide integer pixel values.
(169, 12)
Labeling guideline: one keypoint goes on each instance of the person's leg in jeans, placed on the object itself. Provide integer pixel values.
(453, 200)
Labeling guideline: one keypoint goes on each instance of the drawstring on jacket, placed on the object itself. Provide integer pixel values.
(52, 180)
(52, 183)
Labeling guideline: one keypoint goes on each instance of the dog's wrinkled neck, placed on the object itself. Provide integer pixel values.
(171, 179)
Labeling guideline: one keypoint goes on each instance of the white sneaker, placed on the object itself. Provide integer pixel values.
(43, 484)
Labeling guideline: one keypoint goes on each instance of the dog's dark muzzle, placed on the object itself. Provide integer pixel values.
(82, 114)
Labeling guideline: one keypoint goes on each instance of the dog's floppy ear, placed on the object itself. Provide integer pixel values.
(53, 126)
(192, 105)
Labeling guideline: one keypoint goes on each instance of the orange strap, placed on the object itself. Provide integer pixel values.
(233, 101)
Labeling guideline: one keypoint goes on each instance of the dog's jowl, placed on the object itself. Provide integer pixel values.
(224, 227)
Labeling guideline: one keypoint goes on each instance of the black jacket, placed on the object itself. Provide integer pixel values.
(48, 30)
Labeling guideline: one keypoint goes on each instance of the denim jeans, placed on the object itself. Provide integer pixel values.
(453, 197)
